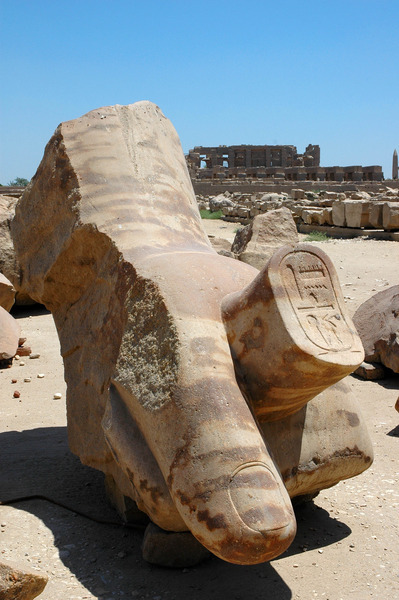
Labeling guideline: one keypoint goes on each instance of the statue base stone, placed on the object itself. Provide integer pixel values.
(172, 549)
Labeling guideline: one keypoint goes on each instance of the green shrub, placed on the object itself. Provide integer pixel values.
(316, 236)
(207, 214)
(19, 181)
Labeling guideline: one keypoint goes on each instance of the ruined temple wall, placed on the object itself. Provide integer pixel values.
(250, 156)
(214, 187)
(272, 162)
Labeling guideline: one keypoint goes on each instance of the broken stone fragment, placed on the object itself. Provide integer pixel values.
(126, 268)
(8, 262)
(371, 371)
(313, 456)
(221, 246)
(9, 335)
(24, 350)
(263, 236)
(18, 583)
(377, 322)
(7, 293)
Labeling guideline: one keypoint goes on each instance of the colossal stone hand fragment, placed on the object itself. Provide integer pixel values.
(109, 238)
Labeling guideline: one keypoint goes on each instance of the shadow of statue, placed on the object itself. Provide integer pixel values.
(106, 557)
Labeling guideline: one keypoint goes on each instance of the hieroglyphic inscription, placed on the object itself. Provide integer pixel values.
(311, 292)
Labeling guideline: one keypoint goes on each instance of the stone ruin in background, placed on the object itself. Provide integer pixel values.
(208, 392)
(249, 162)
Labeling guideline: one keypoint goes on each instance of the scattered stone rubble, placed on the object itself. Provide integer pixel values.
(354, 209)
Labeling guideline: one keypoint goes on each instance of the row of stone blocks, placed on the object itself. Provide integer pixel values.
(347, 213)
(356, 214)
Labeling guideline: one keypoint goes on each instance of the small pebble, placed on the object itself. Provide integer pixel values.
(320, 551)
(16, 394)
(57, 396)
(21, 364)
(14, 380)
(34, 356)
(40, 375)
(16, 357)
(27, 380)
(3, 524)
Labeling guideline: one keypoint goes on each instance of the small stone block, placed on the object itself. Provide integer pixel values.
(24, 350)
(18, 583)
(371, 371)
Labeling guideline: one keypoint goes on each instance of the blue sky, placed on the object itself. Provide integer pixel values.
(224, 72)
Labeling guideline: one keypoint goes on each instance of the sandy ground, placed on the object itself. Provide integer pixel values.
(347, 543)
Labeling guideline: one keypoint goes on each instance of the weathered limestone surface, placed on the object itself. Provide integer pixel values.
(7, 293)
(310, 451)
(390, 215)
(9, 335)
(127, 269)
(8, 262)
(338, 214)
(265, 234)
(109, 238)
(20, 584)
(376, 215)
(357, 212)
(317, 216)
(221, 246)
(377, 322)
